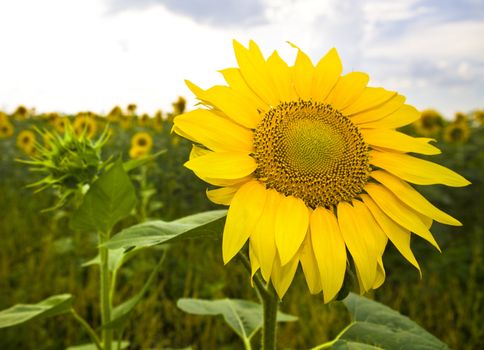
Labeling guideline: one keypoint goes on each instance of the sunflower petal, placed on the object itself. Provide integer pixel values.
(370, 98)
(224, 165)
(398, 141)
(262, 238)
(281, 74)
(405, 115)
(254, 263)
(214, 132)
(253, 69)
(303, 72)
(244, 212)
(347, 90)
(223, 195)
(330, 251)
(310, 266)
(234, 78)
(412, 198)
(326, 74)
(282, 276)
(399, 212)
(415, 170)
(359, 244)
(379, 112)
(292, 222)
(399, 236)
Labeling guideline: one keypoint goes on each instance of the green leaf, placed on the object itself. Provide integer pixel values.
(116, 258)
(244, 317)
(150, 233)
(92, 346)
(122, 311)
(20, 313)
(376, 326)
(110, 199)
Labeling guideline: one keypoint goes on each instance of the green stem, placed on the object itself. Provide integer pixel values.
(106, 306)
(329, 344)
(270, 304)
(247, 345)
(88, 328)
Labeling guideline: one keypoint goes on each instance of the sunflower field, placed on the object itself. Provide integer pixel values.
(41, 254)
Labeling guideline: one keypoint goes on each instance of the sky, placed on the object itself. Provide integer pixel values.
(70, 56)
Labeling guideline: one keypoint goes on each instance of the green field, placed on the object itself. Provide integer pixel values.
(40, 255)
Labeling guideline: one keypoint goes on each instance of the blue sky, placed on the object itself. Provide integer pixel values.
(70, 56)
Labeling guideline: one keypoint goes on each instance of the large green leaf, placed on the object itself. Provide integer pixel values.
(110, 198)
(376, 326)
(244, 317)
(150, 233)
(20, 313)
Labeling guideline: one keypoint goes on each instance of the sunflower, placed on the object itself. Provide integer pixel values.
(26, 141)
(430, 123)
(115, 114)
(60, 124)
(457, 132)
(142, 140)
(136, 152)
(158, 121)
(85, 124)
(312, 169)
(479, 117)
(6, 129)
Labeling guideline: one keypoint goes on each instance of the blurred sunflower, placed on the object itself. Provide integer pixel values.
(460, 118)
(60, 124)
(138, 152)
(85, 124)
(6, 129)
(21, 113)
(115, 114)
(479, 117)
(430, 123)
(311, 165)
(142, 140)
(179, 106)
(26, 141)
(3, 117)
(144, 120)
(457, 132)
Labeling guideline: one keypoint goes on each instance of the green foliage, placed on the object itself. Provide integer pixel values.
(110, 199)
(147, 234)
(244, 317)
(20, 313)
(378, 326)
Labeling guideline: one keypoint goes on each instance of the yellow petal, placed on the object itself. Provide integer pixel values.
(347, 90)
(379, 112)
(398, 141)
(236, 106)
(262, 238)
(399, 236)
(215, 132)
(330, 251)
(223, 195)
(415, 170)
(281, 74)
(303, 74)
(244, 213)
(198, 151)
(282, 276)
(412, 198)
(292, 220)
(359, 243)
(234, 78)
(253, 69)
(254, 264)
(326, 74)
(405, 115)
(370, 98)
(310, 266)
(222, 165)
(399, 212)
(380, 274)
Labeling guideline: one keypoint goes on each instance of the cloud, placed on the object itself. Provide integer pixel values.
(227, 13)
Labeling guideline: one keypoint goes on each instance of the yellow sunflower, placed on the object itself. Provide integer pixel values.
(313, 169)
(430, 123)
(136, 152)
(60, 124)
(85, 124)
(457, 132)
(26, 141)
(6, 129)
(142, 140)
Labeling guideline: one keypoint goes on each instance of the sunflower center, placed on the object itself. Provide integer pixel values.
(311, 151)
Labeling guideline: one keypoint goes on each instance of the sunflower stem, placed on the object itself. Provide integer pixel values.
(106, 306)
(270, 304)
